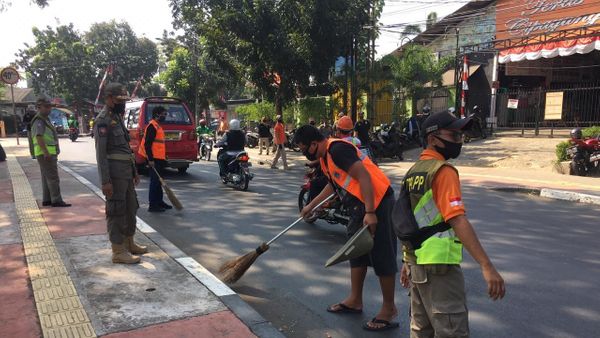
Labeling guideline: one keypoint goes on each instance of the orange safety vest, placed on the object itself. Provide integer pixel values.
(159, 151)
(344, 181)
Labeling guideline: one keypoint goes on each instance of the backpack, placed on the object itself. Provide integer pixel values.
(405, 224)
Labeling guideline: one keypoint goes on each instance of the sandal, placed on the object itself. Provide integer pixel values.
(343, 308)
(386, 325)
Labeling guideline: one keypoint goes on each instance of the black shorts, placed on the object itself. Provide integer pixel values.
(385, 247)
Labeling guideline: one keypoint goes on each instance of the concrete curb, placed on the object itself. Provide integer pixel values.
(255, 322)
(570, 196)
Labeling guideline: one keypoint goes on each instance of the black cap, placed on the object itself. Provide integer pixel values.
(444, 120)
(41, 101)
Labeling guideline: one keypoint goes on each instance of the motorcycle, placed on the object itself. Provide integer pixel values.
(251, 139)
(585, 156)
(387, 142)
(206, 146)
(73, 133)
(332, 212)
(289, 141)
(238, 170)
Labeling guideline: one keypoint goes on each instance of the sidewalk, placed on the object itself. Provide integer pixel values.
(57, 280)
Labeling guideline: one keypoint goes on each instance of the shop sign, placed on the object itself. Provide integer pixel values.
(554, 105)
(513, 103)
(517, 18)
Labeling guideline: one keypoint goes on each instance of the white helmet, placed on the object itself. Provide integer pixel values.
(234, 124)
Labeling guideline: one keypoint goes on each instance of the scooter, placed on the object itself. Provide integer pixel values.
(585, 156)
(206, 146)
(237, 170)
(332, 211)
(387, 143)
(251, 139)
(73, 134)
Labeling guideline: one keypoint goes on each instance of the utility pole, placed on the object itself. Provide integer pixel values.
(456, 71)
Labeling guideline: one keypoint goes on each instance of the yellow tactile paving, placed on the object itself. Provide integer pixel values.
(59, 308)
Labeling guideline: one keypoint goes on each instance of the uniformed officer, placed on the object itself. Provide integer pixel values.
(118, 175)
(432, 270)
(46, 150)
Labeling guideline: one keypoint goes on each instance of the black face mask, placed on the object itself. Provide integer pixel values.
(450, 150)
(310, 156)
(312, 123)
(162, 118)
(119, 108)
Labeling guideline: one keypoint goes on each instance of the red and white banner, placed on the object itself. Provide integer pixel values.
(550, 50)
(465, 87)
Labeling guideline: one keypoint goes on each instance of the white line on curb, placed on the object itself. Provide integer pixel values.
(199, 272)
(570, 196)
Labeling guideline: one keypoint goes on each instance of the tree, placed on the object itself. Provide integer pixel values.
(410, 30)
(4, 4)
(59, 64)
(431, 20)
(411, 70)
(116, 43)
(276, 44)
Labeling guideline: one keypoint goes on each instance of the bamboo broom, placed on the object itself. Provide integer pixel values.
(170, 194)
(234, 269)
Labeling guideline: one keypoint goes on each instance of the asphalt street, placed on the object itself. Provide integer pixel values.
(546, 250)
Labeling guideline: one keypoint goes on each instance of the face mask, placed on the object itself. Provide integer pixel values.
(119, 108)
(162, 118)
(310, 156)
(312, 123)
(451, 150)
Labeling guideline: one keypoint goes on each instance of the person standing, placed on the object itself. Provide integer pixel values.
(118, 175)
(153, 149)
(279, 142)
(264, 135)
(367, 194)
(362, 128)
(27, 119)
(46, 150)
(432, 271)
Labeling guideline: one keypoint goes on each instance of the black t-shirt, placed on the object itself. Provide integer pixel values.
(263, 130)
(149, 139)
(362, 130)
(343, 155)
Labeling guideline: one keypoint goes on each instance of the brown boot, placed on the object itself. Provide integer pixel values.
(121, 255)
(132, 247)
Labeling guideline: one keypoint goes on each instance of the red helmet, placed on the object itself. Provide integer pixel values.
(202, 122)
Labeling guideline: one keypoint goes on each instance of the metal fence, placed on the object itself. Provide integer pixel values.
(580, 107)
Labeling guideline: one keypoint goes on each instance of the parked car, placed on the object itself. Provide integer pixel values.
(179, 127)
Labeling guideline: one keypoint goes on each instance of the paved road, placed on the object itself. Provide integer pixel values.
(547, 251)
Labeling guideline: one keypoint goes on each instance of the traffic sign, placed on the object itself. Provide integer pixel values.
(9, 75)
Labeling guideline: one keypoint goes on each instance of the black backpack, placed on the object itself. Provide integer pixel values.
(405, 225)
(2, 154)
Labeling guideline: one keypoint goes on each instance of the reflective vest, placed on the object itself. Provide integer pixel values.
(159, 151)
(50, 138)
(443, 247)
(345, 182)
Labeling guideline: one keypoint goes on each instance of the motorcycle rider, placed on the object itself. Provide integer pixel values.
(203, 129)
(233, 140)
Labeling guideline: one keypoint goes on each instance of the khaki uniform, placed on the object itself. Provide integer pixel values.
(116, 165)
(48, 167)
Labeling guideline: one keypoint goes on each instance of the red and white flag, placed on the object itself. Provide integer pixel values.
(138, 84)
(109, 71)
(465, 87)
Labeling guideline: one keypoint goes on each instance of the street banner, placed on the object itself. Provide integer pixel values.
(513, 103)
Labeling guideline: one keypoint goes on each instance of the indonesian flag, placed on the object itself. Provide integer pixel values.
(137, 86)
(465, 86)
(109, 70)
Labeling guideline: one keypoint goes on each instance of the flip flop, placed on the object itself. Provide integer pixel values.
(386, 325)
(343, 308)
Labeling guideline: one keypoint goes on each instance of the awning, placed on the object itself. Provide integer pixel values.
(550, 50)
(448, 76)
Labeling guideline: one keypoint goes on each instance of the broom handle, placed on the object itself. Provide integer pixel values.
(298, 220)
(159, 178)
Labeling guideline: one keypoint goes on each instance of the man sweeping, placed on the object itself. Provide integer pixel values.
(366, 193)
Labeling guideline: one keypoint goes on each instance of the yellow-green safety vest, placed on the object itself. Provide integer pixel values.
(443, 247)
(49, 137)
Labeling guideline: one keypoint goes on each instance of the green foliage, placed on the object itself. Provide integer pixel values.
(593, 131)
(561, 151)
(256, 111)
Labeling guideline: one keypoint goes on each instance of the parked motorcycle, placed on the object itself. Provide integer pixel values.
(584, 154)
(332, 211)
(387, 142)
(73, 134)
(251, 139)
(478, 128)
(289, 141)
(206, 146)
(238, 170)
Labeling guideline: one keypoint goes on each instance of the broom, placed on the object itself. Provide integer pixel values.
(234, 269)
(170, 194)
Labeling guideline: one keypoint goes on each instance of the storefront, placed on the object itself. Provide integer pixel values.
(548, 63)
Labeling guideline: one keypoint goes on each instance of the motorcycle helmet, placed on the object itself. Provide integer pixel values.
(202, 122)
(344, 124)
(576, 134)
(234, 124)
(426, 110)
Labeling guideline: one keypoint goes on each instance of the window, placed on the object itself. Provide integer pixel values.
(176, 113)
(132, 116)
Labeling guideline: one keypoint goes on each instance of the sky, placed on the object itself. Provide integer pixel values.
(150, 17)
